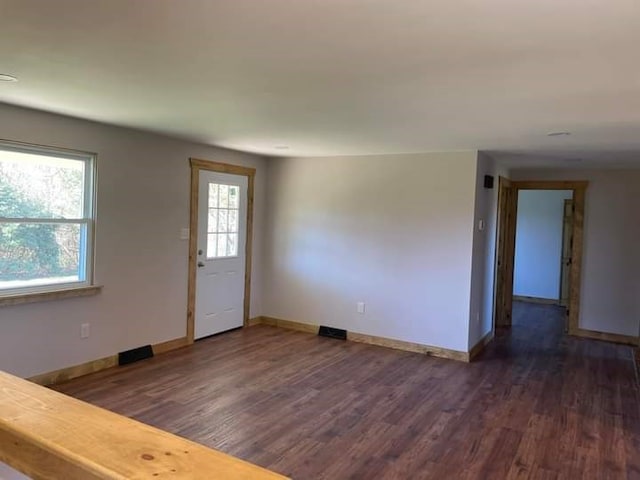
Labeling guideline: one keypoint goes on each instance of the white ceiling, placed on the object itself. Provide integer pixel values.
(329, 77)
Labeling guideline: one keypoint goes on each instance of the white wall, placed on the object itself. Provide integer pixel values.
(8, 473)
(392, 231)
(610, 300)
(143, 202)
(539, 243)
(484, 250)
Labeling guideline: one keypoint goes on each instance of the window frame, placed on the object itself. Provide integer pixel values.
(228, 209)
(88, 219)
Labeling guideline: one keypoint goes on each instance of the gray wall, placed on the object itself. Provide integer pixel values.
(392, 231)
(142, 203)
(484, 250)
(610, 280)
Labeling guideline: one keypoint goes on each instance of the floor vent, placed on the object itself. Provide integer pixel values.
(332, 332)
(135, 355)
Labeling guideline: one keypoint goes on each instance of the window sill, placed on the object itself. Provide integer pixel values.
(22, 298)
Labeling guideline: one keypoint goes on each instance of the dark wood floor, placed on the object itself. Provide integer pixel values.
(535, 405)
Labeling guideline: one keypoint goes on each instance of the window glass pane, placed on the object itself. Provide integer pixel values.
(39, 186)
(212, 226)
(233, 220)
(213, 195)
(222, 220)
(222, 246)
(33, 254)
(224, 196)
(212, 245)
(234, 196)
(232, 244)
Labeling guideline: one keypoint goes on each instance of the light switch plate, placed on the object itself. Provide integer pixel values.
(184, 234)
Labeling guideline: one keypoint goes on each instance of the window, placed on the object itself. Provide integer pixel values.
(222, 226)
(46, 219)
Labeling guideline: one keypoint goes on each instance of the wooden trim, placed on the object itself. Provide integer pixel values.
(409, 346)
(196, 166)
(222, 167)
(543, 301)
(551, 185)
(372, 340)
(65, 374)
(291, 325)
(193, 258)
(480, 346)
(254, 321)
(579, 188)
(606, 337)
(248, 248)
(46, 434)
(24, 298)
(505, 253)
(575, 275)
(170, 345)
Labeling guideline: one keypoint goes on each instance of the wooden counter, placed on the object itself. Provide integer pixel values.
(48, 435)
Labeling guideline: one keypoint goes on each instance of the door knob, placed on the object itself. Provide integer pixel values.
(200, 264)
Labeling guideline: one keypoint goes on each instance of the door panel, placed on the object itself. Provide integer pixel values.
(222, 217)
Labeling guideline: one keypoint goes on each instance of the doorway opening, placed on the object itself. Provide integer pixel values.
(221, 221)
(543, 247)
(539, 247)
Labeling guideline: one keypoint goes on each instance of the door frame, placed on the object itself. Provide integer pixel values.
(197, 166)
(508, 231)
(567, 202)
(504, 262)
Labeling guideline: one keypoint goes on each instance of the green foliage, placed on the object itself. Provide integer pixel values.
(26, 250)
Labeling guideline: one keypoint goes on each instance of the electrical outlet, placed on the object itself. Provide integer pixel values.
(84, 330)
(360, 307)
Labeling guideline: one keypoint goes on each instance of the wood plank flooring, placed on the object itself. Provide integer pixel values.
(535, 405)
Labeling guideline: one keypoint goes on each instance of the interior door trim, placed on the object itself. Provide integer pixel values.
(579, 189)
(198, 165)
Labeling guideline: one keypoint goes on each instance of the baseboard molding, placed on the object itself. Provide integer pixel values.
(170, 345)
(254, 321)
(542, 301)
(371, 339)
(291, 325)
(65, 374)
(606, 337)
(480, 346)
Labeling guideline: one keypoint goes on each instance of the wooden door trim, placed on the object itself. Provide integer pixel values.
(198, 165)
(504, 255)
(579, 194)
(567, 203)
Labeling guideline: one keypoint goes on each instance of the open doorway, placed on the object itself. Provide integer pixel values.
(543, 250)
(543, 262)
(543, 246)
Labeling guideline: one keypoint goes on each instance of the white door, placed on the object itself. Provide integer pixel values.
(222, 226)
